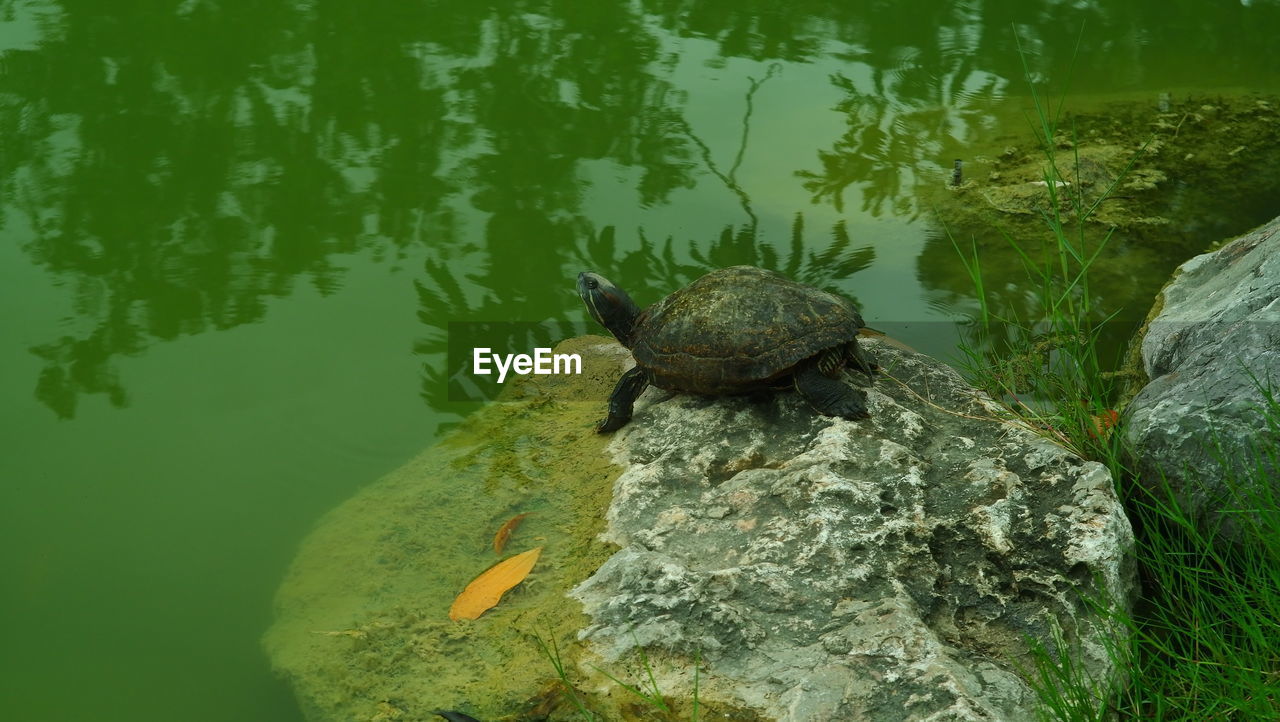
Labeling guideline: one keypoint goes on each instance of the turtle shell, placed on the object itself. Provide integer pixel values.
(737, 329)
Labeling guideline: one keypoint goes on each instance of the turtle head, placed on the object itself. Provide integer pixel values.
(609, 305)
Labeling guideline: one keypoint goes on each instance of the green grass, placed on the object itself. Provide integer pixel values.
(646, 691)
(1204, 641)
(1211, 634)
(551, 650)
(1052, 360)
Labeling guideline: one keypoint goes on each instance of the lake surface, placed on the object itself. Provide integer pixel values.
(234, 236)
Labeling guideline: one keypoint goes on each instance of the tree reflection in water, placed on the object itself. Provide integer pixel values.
(178, 169)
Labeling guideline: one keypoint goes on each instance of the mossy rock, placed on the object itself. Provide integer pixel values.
(1156, 171)
(362, 630)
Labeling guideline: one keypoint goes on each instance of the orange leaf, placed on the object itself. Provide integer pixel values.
(504, 532)
(1103, 423)
(485, 590)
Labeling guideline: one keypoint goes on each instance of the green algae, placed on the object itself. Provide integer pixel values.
(1160, 171)
(1155, 176)
(362, 628)
(1132, 373)
(1142, 184)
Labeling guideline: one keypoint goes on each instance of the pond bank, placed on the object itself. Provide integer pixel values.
(739, 552)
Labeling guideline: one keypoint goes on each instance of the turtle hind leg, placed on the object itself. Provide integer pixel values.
(622, 400)
(860, 359)
(830, 397)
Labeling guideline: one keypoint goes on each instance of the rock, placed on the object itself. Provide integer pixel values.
(362, 629)
(1214, 341)
(824, 569)
(820, 569)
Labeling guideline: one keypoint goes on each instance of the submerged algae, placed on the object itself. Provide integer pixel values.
(1165, 173)
(1159, 181)
(362, 629)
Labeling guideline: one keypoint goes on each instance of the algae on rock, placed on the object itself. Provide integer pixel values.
(1150, 172)
(362, 629)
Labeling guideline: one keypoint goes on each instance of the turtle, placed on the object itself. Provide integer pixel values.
(736, 330)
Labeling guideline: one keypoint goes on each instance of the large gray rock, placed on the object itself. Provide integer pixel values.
(1208, 353)
(889, 569)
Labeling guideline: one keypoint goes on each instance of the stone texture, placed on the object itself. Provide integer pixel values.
(1214, 341)
(824, 569)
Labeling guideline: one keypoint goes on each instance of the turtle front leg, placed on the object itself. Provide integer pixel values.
(860, 359)
(622, 400)
(828, 396)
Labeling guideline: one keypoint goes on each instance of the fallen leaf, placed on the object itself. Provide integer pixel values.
(1103, 424)
(504, 532)
(485, 590)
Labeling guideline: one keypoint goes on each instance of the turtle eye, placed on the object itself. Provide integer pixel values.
(592, 283)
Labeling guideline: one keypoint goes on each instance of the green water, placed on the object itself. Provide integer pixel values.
(233, 236)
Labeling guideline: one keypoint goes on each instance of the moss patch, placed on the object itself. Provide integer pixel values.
(1198, 161)
(362, 626)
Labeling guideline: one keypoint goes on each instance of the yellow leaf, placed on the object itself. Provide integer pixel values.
(485, 590)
